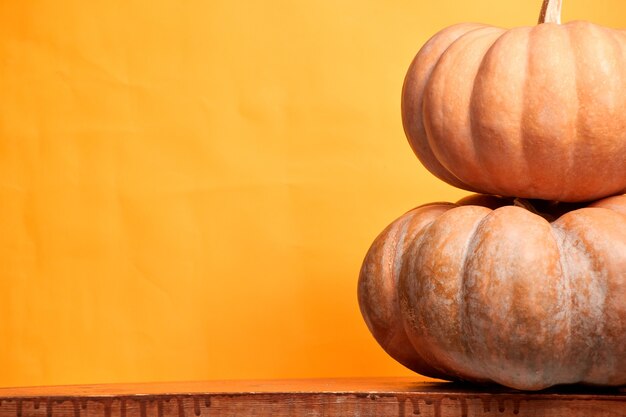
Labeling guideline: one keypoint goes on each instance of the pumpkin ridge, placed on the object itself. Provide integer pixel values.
(413, 96)
(600, 109)
(471, 248)
(581, 245)
(500, 268)
(619, 51)
(487, 131)
(461, 316)
(402, 300)
(428, 141)
(472, 102)
(379, 306)
(559, 235)
(522, 114)
(576, 134)
(417, 240)
(571, 150)
(617, 46)
(437, 112)
(542, 125)
(463, 313)
(407, 284)
(373, 316)
(480, 130)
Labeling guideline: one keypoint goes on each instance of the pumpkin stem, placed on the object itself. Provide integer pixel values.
(550, 12)
(526, 204)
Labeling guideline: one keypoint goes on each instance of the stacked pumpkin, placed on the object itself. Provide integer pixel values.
(525, 284)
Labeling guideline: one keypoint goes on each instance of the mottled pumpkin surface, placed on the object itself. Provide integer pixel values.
(535, 112)
(500, 290)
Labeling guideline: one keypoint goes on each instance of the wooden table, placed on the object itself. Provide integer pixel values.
(378, 397)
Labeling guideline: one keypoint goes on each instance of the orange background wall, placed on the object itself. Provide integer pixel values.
(187, 188)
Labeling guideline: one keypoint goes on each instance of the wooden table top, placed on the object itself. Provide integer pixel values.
(375, 397)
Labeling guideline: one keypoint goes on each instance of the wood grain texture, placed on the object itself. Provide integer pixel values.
(380, 397)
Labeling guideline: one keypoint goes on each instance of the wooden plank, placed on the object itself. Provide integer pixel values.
(378, 397)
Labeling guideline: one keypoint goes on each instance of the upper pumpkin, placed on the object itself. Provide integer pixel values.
(534, 112)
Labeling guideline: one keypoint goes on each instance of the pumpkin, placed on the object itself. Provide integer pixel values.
(495, 290)
(535, 112)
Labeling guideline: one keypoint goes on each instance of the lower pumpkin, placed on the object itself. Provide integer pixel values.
(500, 290)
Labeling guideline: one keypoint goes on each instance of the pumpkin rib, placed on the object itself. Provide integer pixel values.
(376, 313)
(599, 279)
(410, 287)
(577, 135)
(516, 348)
(595, 116)
(380, 308)
(417, 76)
(599, 273)
(388, 246)
(461, 318)
(442, 121)
(438, 371)
(604, 350)
(563, 371)
(432, 370)
(576, 232)
(468, 328)
(615, 323)
(402, 300)
(483, 143)
(572, 149)
(559, 235)
(469, 116)
(428, 142)
(399, 332)
(463, 294)
(595, 330)
(394, 247)
(545, 120)
(520, 124)
(619, 51)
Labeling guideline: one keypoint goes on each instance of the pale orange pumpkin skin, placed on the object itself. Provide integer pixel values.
(535, 112)
(488, 292)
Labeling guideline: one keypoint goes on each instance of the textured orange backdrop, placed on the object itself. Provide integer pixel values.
(187, 188)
